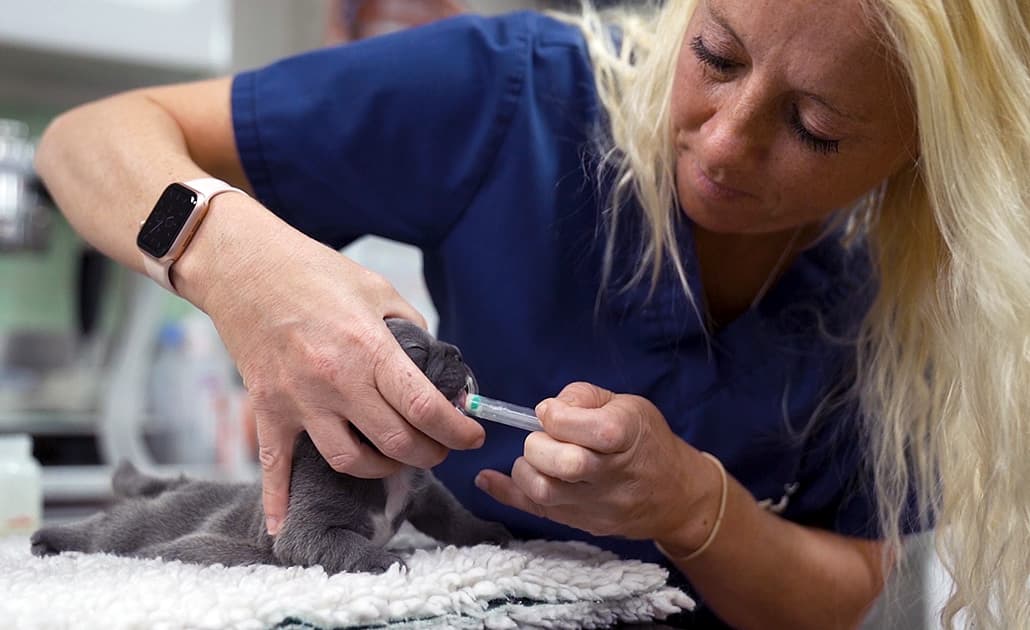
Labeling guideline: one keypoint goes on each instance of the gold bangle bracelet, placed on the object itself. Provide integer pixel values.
(718, 519)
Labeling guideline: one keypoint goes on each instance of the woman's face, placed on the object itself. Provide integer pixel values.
(783, 111)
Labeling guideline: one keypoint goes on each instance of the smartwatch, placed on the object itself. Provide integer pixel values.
(165, 234)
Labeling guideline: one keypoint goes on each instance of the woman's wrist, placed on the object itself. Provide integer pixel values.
(699, 525)
(227, 251)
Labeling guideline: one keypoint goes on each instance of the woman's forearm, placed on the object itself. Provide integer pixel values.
(107, 162)
(762, 571)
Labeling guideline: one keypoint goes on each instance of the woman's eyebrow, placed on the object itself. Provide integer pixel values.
(720, 19)
(836, 110)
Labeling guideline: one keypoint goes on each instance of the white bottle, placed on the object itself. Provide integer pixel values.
(167, 394)
(21, 486)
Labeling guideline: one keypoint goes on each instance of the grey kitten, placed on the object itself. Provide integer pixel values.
(334, 520)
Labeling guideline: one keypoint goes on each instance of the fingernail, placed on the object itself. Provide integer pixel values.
(481, 482)
(542, 408)
(272, 525)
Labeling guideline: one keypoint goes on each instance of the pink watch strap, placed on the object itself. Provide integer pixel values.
(208, 188)
(159, 272)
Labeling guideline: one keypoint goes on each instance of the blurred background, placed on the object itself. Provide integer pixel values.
(98, 364)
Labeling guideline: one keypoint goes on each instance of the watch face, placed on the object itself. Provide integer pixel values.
(167, 219)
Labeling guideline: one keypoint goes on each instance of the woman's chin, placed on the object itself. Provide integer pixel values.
(716, 210)
(720, 220)
(746, 215)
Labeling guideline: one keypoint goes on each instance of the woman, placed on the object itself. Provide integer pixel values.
(797, 246)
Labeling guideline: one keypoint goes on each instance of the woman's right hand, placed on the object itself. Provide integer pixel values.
(303, 323)
(305, 327)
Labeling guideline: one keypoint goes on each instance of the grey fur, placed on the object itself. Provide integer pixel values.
(331, 520)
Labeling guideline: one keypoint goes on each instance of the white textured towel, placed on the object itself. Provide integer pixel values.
(534, 584)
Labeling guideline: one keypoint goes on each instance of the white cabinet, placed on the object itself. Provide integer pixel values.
(55, 54)
(193, 35)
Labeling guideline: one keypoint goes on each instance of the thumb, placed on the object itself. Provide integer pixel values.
(585, 395)
(397, 306)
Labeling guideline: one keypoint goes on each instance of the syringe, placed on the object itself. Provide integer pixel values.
(502, 412)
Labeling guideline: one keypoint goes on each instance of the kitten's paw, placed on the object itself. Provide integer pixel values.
(377, 563)
(44, 543)
(470, 532)
(492, 534)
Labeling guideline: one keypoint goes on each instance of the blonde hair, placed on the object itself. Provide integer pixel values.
(634, 72)
(943, 357)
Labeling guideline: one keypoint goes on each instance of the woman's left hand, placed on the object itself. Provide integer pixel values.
(609, 464)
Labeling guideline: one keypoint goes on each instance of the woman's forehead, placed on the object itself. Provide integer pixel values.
(829, 48)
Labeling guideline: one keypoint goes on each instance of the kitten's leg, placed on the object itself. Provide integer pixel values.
(208, 549)
(128, 482)
(435, 511)
(54, 539)
(334, 548)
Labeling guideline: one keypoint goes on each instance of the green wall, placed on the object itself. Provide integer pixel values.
(37, 287)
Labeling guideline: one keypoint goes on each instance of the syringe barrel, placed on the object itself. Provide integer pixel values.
(502, 412)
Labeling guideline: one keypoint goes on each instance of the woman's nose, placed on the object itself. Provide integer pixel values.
(735, 137)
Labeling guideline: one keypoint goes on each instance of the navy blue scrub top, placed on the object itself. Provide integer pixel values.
(470, 138)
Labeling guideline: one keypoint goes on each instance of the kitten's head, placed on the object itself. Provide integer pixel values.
(440, 361)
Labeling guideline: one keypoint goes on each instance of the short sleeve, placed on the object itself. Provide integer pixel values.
(389, 136)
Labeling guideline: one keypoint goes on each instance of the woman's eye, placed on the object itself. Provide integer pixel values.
(809, 139)
(709, 58)
(723, 65)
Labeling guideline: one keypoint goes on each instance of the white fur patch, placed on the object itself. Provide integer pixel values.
(398, 491)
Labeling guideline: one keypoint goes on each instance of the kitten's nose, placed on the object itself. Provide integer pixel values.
(453, 354)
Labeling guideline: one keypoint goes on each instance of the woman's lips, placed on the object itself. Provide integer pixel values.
(713, 190)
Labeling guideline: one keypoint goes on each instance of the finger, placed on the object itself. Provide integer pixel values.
(568, 462)
(345, 453)
(613, 428)
(502, 489)
(275, 452)
(391, 433)
(541, 489)
(420, 403)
